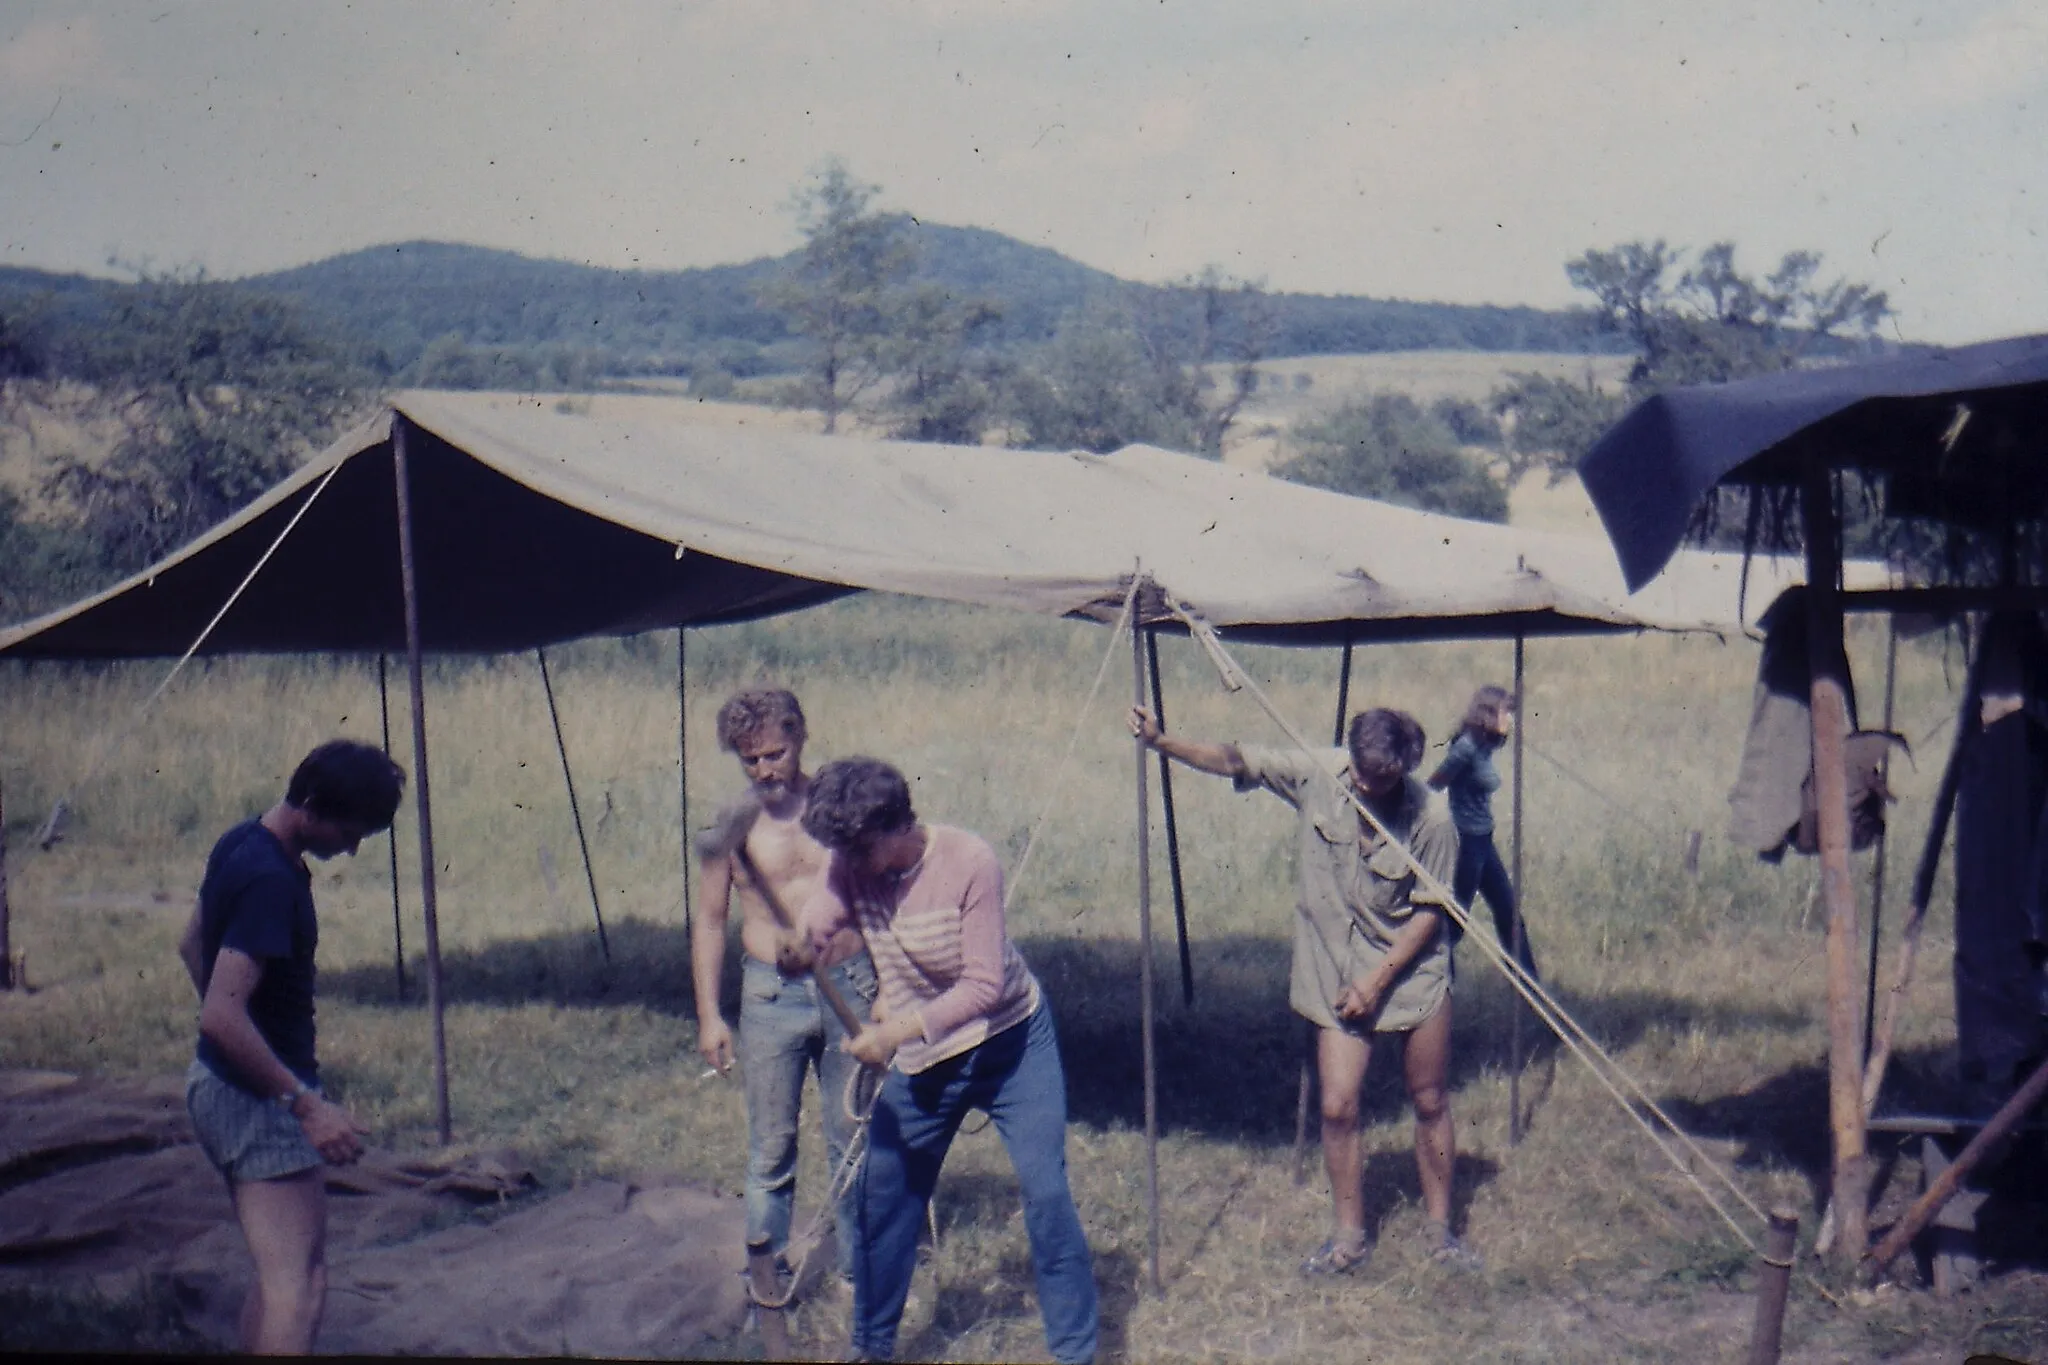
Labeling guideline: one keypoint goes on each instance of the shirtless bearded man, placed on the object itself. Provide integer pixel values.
(785, 1027)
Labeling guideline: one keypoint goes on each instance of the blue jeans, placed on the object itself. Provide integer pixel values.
(1016, 1078)
(785, 1029)
(1480, 869)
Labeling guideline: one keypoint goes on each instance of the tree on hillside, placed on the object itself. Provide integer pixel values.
(1706, 323)
(1170, 367)
(944, 387)
(1388, 447)
(843, 290)
(216, 392)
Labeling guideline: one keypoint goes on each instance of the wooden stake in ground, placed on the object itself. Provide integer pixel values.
(1830, 712)
(1773, 1282)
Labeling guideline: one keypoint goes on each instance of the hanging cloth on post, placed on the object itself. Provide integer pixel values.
(1770, 795)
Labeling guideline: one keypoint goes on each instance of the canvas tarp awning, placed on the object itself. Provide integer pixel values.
(1954, 431)
(535, 524)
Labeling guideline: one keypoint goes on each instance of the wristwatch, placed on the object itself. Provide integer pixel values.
(289, 1100)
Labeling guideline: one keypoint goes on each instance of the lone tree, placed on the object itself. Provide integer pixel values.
(843, 290)
(1705, 323)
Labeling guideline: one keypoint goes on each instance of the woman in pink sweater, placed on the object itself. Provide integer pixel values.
(965, 1025)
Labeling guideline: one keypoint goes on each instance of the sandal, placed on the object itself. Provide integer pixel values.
(1452, 1253)
(1338, 1258)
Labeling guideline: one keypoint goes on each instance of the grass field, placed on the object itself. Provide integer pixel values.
(1708, 988)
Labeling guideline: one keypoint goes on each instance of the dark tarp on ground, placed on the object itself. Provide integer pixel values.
(534, 525)
(1652, 469)
(102, 1188)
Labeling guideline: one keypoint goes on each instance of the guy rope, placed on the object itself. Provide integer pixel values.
(1609, 1073)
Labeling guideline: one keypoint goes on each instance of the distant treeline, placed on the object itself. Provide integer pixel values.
(453, 316)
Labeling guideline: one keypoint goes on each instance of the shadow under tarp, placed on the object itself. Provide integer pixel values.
(2000, 855)
(103, 1188)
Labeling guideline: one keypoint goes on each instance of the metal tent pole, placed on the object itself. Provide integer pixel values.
(1145, 971)
(575, 810)
(1180, 903)
(683, 763)
(1304, 1090)
(397, 921)
(1521, 905)
(429, 905)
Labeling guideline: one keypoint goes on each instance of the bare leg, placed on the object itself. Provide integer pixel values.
(1427, 1063)
(285, 1223)
(1340, 1067)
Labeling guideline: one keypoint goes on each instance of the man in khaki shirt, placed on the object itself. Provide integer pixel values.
(1370, 954)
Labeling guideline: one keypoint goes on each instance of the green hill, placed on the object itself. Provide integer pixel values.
(398, 299)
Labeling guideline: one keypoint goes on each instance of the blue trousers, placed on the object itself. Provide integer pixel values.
(785, 1030)
(1481, 870)
(1016, 1078)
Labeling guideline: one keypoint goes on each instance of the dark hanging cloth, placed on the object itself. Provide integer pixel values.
(2001, 845)
(1771, 789)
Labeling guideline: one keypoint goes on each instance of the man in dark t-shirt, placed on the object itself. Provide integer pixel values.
(254, 1086)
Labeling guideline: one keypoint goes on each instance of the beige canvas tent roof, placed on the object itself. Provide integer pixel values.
(535, 525)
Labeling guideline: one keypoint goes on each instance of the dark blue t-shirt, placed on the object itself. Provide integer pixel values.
(1470, 781)
(258, 899)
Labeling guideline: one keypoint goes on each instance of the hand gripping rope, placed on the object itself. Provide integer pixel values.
(864, 1086)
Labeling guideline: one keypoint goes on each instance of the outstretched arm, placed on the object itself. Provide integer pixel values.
(1220, 759)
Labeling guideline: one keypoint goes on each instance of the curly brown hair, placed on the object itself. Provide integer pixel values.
(1384, 738)
(855, 800)
(748, 713)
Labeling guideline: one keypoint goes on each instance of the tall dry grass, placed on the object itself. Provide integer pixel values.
(1708, 987)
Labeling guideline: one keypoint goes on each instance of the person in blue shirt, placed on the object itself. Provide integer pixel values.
(1468, 777)
(253, 1090)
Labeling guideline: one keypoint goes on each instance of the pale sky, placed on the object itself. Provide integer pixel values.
(1457, 150)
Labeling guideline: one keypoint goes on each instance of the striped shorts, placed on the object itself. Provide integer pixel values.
(246, 1138)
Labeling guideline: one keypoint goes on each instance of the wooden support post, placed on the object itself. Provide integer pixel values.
(1830, 711)
(422, 800)
(1927, 1205)
(1884, 772)
(1515, 949)
(397, 918)
(1305, 1091)
(575, 810)
(1773, 1283)
(1145, 970)
(683, 762)
(1180, 901)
